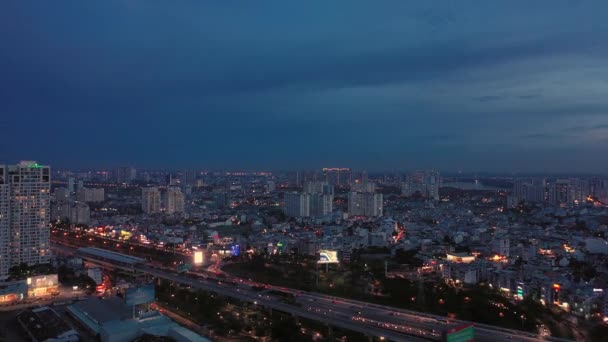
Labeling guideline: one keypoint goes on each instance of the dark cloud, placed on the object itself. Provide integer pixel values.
(488, 98)
(545, 136)
(530, 96)
(276, 84)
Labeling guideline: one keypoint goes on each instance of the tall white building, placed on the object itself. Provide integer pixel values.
(600, 190)
(320, 198)
(270, 186)
(568, 192)
(337, 175)
(61, 210)
(80, 213)
(312, 187)
(62, 194)
(188, 177)
(24, 215)
(150, 200)
(5, 225)
(365, 204)
(529, 190)
(320, 204)
(503, 246)
(174, 200)
(363, 186)
(581, 189)
(71, 183)
(297, 204)
(125, 174)
(426, 183)
(90, 195)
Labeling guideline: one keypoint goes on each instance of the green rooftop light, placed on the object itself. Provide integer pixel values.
(35, 166)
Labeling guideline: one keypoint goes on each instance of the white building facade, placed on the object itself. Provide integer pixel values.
(24, 215)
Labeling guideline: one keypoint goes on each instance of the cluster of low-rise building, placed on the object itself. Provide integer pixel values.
(528, 240)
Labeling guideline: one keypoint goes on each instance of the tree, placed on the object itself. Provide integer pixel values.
(519, 262)
(286, 329)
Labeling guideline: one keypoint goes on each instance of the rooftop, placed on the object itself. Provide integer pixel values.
(111, 318)
(44, 324)
(101, 311)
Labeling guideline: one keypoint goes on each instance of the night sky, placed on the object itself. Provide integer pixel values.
(379, 85)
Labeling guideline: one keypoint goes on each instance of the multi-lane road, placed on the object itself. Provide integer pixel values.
(367, 318)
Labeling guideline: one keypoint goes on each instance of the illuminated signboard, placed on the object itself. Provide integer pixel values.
(198, 258)
(464, 333)
(140, 295)
(520, 291)
(235, 250)
(327, 256)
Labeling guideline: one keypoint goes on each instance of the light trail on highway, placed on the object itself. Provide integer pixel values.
(370, 319)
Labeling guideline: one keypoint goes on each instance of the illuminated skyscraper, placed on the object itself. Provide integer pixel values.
(24, 215)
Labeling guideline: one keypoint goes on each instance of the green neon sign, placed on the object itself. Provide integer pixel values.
(464, 335)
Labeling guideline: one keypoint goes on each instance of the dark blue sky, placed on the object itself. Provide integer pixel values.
(380, 85)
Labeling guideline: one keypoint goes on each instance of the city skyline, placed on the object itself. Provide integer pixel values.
(365, 85)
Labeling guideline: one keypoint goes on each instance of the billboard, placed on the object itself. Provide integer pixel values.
(198, 258)
(42, 285)
(327, 256)
(42, 281)
(235, 250)
(140, 295)
(463, 333)
(520, 291)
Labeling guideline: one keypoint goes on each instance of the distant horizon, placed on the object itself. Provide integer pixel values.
(444, 173)
(450, 172)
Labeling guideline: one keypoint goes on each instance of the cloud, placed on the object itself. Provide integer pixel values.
(545, 136)
(366, 77)
(488, 98)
